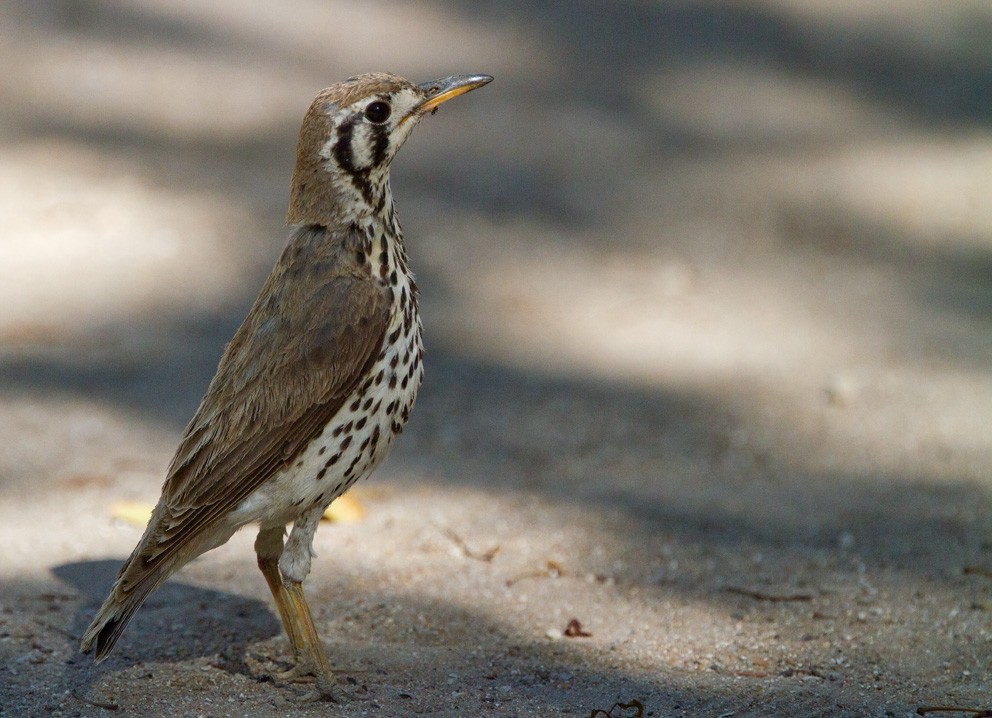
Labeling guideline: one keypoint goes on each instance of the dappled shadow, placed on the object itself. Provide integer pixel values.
(606, 58)
(671, 463)
(400, 665)
(657, 465)
(179, 622)
(674, 466)
(605, 52)
(946, 273)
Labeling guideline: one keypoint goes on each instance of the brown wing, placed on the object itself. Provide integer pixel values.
(315, 330)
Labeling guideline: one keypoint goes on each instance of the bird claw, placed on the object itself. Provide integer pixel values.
(319, 694)
(324, 691)
(302, 672)
(324, 688)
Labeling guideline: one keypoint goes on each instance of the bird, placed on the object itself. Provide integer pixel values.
(317, 381)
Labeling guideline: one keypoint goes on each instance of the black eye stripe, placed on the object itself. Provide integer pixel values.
(380, 143)
(342, 146)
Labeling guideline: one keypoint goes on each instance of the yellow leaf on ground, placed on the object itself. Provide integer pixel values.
(134, 513)
(345, 509)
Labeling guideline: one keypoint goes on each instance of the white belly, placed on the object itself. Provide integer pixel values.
(352, 444)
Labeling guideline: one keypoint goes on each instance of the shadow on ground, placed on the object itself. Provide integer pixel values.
(223, 624)
(405, 668)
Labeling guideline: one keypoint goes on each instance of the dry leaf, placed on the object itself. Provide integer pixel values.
(574, 629)
(133, 513)
(345, 509)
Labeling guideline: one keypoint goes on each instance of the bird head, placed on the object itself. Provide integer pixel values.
(349, 136)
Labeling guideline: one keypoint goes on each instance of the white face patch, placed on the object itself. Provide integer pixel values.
(372, 143)
(364, 138)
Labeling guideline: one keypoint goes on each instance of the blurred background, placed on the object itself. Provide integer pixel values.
(707, 293)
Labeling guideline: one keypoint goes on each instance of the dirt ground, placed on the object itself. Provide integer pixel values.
(707, 290)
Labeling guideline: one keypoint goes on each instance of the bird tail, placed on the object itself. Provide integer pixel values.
(113, 617)
(143, 572)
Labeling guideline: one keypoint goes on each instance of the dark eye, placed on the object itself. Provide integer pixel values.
(378, 112)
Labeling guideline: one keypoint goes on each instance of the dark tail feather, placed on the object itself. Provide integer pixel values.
(145, 570)
(117, 611)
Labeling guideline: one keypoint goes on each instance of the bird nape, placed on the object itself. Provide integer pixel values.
(317, 381)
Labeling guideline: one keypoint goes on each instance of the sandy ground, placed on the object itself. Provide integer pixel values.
(707, 290)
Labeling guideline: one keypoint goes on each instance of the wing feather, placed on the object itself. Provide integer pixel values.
(316, 329)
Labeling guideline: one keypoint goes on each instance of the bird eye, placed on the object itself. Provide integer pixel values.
(378, 112)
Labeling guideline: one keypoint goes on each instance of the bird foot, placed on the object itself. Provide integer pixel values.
(302, 671)
(324, 687)
(329, 691)
(322, 692)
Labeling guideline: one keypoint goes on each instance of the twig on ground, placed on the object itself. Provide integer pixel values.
(634, 705)
(552, 570)
(975, 712)
(485, 556)
(105, 705)
(773, 597)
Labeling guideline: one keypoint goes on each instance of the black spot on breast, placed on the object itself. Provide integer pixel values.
(360, 424)
(320, 474)
(345, 443)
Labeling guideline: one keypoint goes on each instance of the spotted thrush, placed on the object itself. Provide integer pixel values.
(318, 380)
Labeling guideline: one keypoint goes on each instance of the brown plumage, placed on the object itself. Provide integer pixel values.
(311, 390)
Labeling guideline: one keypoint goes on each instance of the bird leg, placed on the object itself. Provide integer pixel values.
(268, 549)
(294, 566)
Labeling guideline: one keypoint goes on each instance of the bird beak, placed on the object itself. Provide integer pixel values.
(439, 91)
